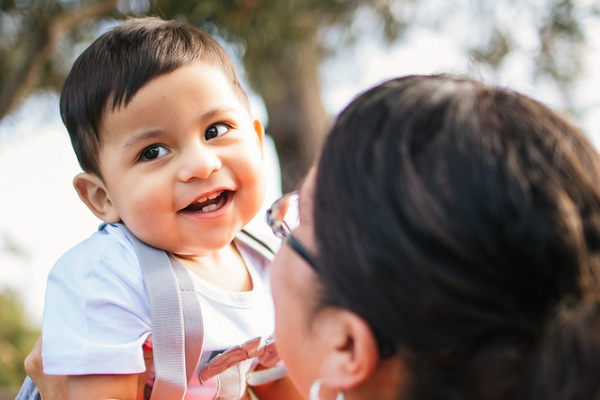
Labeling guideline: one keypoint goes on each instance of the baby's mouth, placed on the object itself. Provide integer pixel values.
(208, 204)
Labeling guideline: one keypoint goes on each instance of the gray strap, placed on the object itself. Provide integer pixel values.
(267, 246)
(192, 318)
(176, 345)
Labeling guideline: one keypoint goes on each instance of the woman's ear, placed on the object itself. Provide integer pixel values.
(352, 351)
(93, 193)
(352, 362)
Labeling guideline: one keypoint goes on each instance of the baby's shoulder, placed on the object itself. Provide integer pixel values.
(107, 249)
(108, 239)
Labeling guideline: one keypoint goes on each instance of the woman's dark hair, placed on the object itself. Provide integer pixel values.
(119, 63)
(462, 222)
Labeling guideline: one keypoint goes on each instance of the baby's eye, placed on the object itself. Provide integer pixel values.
(216, 130)
(153, 152)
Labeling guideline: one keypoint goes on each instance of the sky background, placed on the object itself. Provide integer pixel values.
(41, 216)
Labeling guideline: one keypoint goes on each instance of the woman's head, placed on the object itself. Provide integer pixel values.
(461, 222)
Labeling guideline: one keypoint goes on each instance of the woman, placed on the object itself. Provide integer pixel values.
(447, 248)
(455, 234)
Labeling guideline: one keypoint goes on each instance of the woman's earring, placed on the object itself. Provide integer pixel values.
(315, 391)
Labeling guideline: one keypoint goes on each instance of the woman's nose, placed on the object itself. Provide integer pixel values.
(199, 162)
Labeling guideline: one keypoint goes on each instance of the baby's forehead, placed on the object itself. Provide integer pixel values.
(121, 95)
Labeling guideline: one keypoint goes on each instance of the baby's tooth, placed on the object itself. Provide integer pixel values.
(210, 207)
(214, 196)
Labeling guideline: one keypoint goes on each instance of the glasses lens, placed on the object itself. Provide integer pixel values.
(283, 216)
(286, 212)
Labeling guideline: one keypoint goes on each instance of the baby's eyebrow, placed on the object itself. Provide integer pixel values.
(140, 137)
(213, 112)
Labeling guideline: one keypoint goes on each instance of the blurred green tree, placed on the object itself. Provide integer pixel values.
(282, 44)
(16, 340)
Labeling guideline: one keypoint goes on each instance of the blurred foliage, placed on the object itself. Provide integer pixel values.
(282, 43)
(266, 30)
(17, 338)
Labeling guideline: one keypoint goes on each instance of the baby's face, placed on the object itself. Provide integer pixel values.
(182, 163)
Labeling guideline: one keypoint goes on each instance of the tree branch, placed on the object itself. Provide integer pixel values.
(44, 43)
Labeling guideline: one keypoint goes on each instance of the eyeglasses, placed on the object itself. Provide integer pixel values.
(283, 217)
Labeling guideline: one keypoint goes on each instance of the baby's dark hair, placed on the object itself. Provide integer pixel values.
(462, 221)
(119, 63)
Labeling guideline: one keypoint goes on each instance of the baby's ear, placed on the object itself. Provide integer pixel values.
(93, 193)
(260, 133)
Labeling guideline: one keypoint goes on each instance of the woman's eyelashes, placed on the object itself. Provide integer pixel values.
(153, 152)
(216, 130)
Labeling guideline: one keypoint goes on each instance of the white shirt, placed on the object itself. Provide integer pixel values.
(97, 315)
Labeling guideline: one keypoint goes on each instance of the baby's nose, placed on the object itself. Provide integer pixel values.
(199, 163)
